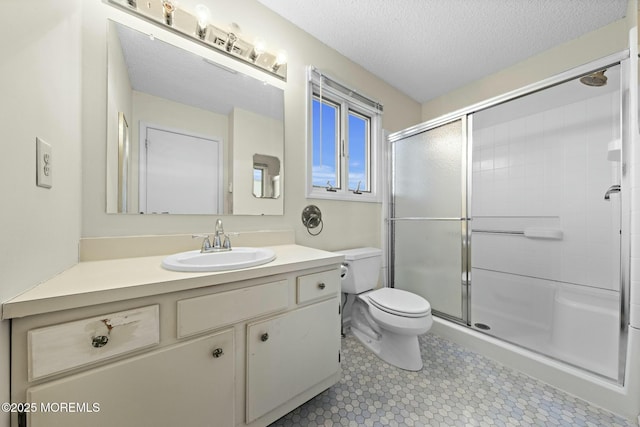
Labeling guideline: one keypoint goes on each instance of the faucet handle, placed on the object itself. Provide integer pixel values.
(227, 240)
(206, 243)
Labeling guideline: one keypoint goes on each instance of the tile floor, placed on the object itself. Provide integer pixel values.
(456, 387)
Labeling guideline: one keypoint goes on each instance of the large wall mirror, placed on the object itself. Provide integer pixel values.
(183, 132)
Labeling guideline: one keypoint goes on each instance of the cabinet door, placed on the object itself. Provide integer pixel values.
(289, 354)
(189, 384)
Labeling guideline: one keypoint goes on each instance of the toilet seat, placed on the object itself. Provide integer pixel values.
(400, 303)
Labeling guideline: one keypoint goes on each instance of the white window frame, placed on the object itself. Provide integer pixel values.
(348, 103)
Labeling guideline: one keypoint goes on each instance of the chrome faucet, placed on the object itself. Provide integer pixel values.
(219, 233)
(221, 241)
(612, 189)
(217, 238)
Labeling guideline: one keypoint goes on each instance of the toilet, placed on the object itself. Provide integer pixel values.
(387, 320)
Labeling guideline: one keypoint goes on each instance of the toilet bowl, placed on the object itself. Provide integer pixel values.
(387, 320)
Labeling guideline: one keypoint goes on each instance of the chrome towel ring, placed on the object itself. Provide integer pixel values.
(312, 218)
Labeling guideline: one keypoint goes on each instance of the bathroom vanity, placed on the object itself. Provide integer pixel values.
(124, 342)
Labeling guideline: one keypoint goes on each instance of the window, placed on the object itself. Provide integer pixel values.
(258, 180)
(343, 142)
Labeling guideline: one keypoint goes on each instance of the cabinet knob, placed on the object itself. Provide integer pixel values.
(321, 285)
(99, 341)
(217, 352)
(264, 337)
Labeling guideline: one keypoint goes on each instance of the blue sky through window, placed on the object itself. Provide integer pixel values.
(358, 131)
(324, 154)
(326, 141)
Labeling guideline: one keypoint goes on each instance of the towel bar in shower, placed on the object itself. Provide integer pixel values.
(532, 233)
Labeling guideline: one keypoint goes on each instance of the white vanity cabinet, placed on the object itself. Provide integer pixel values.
(285, 354)
(191, 381)
(242, 353)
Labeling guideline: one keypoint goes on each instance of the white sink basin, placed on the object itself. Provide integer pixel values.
(234, 259)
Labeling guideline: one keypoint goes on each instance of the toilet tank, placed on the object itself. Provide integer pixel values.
(362, 269)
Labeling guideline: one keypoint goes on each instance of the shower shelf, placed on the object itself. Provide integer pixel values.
(613, 150)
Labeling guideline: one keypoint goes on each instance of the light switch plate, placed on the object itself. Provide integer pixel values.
(43, 164)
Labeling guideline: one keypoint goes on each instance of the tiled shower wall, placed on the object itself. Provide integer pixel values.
(551, 169)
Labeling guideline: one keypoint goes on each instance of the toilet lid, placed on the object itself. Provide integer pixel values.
(402, 303)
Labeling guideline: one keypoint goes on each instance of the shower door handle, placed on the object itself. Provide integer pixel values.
(612, 189)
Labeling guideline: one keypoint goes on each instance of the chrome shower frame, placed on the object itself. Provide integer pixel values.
(466, 115)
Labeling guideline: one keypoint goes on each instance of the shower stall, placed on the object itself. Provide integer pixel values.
(508, 217)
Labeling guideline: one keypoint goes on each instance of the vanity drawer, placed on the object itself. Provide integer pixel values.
(69, 345)
(209, 312)
(318, 286)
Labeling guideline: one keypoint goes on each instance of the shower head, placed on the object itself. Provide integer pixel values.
(596, 79)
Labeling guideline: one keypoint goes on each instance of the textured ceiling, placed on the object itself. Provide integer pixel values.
(426, 48)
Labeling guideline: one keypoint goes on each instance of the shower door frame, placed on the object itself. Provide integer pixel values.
(466, 115)
(464, 218)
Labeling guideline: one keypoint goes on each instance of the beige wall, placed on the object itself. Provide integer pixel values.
(253, 134)
(345, 224)
(39, 80)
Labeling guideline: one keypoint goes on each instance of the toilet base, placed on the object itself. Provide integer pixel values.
(402, 351)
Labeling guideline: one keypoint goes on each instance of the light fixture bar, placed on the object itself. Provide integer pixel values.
(196, 27)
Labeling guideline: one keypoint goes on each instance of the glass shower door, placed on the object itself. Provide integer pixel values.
(547, 223)
(428, 218)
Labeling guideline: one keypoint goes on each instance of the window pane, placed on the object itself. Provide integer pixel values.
(359, 152)
(258, 177)
(325, 142)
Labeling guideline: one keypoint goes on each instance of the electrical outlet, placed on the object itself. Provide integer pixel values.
(43, 164)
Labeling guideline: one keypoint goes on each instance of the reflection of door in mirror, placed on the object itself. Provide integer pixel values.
(123, 162)
(179, 173)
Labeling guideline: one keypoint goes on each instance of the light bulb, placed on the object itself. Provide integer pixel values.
(231, 41)
(169, 7)
(259, 46)
(281, 59)
(258, 49)
(203, 15)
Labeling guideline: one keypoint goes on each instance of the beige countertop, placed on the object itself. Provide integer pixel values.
(98, 282)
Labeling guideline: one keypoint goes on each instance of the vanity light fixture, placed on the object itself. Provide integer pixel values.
(196, 26)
